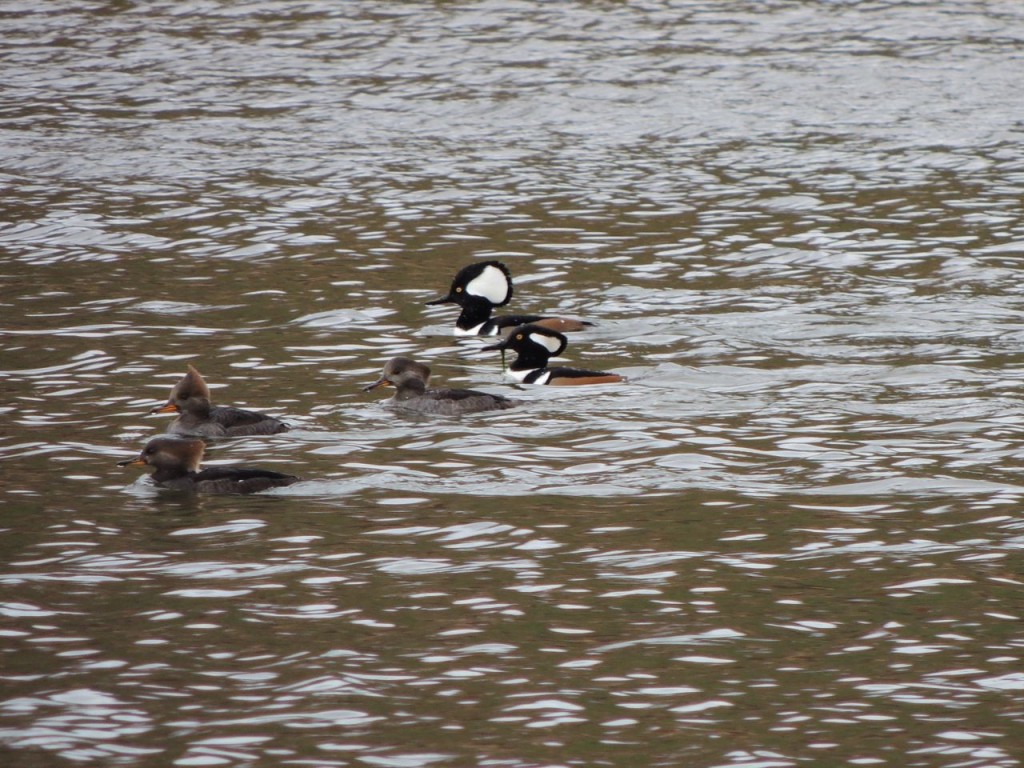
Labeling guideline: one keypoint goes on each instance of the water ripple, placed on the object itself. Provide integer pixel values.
(796, 521)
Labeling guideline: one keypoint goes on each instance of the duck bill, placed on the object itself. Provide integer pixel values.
(138, 461)
(443, 300)
(500, 347)
(166, 408)
(381, 382)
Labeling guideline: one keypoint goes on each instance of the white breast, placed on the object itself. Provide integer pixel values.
(519, 375)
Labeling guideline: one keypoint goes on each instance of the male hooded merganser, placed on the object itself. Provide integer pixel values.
(481, 287)
(190, 398)
(176, 461)
(535, 345)
(409, 379)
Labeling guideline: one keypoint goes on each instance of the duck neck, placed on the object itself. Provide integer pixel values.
(475, 312)
(166, 474)
(530, 358)
(410, 389)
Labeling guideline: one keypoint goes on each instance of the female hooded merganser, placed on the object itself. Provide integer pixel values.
(409, 379)
(481, 287)
(176, 463)
(190, 398)
(535, 345)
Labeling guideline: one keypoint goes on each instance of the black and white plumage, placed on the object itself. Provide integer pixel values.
(482, 287)
(534, 345)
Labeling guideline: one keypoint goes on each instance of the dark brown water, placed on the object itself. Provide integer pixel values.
(794, 537)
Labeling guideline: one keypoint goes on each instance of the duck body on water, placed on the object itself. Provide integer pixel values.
(409, 378)
(198, 417)
(482, 287)
(477, 289)
(175, 462)
(534, 345)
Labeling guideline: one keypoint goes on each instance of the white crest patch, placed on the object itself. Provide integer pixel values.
(550, 343)
(491, 284)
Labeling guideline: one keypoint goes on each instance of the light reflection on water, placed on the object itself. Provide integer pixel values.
(525, 620)
(793, 535)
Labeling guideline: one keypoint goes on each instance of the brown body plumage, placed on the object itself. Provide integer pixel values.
(175, 462)
(410, 378)
(197, 416)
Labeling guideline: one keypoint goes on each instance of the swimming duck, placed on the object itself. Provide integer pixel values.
(535, 345)
(481, 287)
(176, 464)
(410, 378)
(190, 398)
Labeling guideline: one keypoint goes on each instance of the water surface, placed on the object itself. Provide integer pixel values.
(792, 537)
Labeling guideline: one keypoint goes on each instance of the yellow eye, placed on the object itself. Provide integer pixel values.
(459, 289)
(519, 337)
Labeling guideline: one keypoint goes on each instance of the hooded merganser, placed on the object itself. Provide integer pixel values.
(190, 398)
(409, 379)
(535, 345)
(481, 287)
(176, 463)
